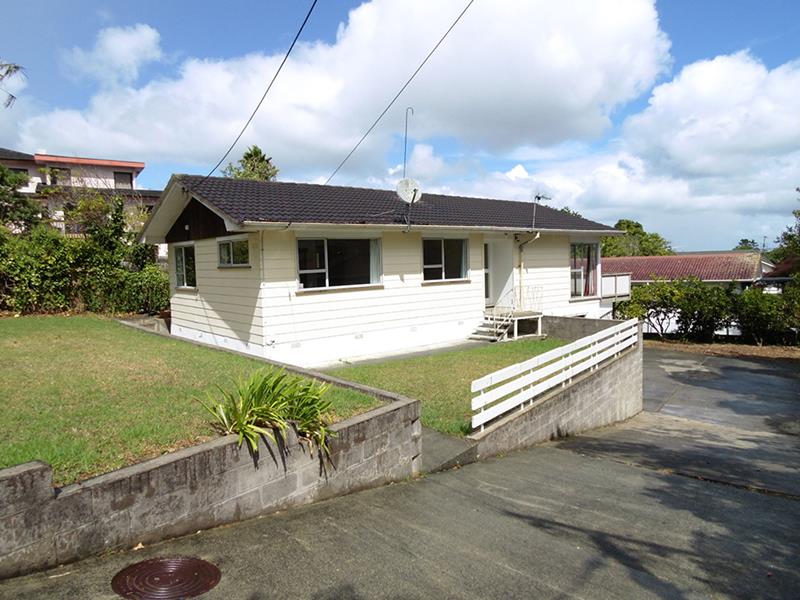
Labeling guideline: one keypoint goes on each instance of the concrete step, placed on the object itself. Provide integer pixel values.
(483, 338)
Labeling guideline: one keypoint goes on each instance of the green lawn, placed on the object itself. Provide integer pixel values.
(89, 395)
(441, 381)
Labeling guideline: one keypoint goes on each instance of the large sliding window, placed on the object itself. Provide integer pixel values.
(444, 259)
(184, 267)
(336, 262)
(583, 270)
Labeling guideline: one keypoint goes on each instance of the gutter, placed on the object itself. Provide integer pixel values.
(402, 226)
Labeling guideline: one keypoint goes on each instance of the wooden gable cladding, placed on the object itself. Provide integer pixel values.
(196, 222)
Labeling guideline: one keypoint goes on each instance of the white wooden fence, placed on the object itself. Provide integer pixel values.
(511, 387)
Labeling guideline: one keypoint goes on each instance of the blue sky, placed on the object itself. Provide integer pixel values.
(681, 115)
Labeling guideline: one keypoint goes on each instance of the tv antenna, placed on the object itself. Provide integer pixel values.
(405, 139)
(536, 199)
(409, 192)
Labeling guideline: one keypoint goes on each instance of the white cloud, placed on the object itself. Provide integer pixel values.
(511, 74)
(117, 55)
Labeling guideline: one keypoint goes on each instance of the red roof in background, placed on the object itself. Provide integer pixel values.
(96, 162)
(707, 266)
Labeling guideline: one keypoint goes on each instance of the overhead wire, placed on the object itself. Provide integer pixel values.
(266, 91)
(402, 89)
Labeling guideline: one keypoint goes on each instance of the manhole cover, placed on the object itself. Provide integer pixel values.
(166, 579)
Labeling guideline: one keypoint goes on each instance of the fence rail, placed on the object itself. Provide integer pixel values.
(513, 386)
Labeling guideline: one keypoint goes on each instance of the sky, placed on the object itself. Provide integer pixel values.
(680, 114)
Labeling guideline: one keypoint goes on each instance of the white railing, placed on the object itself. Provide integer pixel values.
(616, 285)
(511, 387)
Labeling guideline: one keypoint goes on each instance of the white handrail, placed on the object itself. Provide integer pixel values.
(509, 387)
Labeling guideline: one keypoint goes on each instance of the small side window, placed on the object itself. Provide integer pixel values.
(184, 267)
(234, 253)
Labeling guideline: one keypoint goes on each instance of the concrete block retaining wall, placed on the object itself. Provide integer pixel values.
(608, 395)
(195, 488)
(570, 329)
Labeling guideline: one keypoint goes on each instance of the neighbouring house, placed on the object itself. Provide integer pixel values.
(782, 272)
(311, 274)
(743, 268)
(740, 268)
(52, 178)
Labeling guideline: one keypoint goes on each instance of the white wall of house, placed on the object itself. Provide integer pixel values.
(225, 309)
(34, 176)
(543, 276)
(316, 327)
(262, 310)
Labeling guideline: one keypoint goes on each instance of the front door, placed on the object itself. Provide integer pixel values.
(498, 271)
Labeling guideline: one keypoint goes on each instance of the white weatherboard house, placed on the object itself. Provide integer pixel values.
(311, 274)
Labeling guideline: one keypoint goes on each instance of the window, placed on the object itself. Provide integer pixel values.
(123, 180)
(184, 266)
(333, 262)
(583, 270)
(444, 259)
(60, 176)
(234, 253)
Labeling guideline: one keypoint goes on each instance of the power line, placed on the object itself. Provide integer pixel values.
(402, 89)
(269, 87)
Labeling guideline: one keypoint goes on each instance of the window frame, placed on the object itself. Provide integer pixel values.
(56, 171)
(181, 247)
(443, 265)
(232, 240)
(119, 187)
(594, 264)
(376, 240)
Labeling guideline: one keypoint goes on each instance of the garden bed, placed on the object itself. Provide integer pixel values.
(441, 380)
(727, 349)
(88, 395)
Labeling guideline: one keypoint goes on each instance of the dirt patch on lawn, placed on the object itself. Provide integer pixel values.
(734, 350)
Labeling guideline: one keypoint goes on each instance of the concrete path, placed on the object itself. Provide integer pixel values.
(543, 523)
(722, 419)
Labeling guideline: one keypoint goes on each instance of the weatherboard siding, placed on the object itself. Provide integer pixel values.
(545, 273)
(226, 307)
(319, 327)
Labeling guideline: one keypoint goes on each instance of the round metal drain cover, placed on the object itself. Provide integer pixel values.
(166, 579)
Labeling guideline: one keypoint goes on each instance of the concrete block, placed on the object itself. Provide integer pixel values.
(23, 485)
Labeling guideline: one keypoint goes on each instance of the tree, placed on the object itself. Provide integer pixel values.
(635, 242)
(655, 302)
(761, 316)
(7, 71)
(18, 211)
(569, 211)
(788, 241)
(746, 244)
(702, 308)
(253, 165)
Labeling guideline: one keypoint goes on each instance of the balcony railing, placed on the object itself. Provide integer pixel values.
(616, 285)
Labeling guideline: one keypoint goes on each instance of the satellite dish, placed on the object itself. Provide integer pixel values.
(409, 190)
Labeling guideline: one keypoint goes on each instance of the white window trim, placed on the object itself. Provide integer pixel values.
(176, 246)
(229, 239)
(464, 277)
(328, 286)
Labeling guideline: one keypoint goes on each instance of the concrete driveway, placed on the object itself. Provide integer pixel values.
(729, 420)
(621, 513)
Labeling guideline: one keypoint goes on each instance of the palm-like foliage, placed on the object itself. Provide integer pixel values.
(8, 70)
(264, 403)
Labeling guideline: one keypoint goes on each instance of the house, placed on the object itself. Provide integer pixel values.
(311, 274)
(742, 267)
(781, 273)
(52, 178)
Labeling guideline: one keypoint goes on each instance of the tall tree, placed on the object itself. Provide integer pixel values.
(7, 71)
(17, 210)
(254, 164)
(788, 241)
(635, 242)
(746, 244)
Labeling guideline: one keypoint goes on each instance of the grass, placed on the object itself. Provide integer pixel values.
(441, 381)
(89, 395)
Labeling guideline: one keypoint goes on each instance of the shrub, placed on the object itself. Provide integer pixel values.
(148, 290)
(702, 309)
(266, 403)
(761, 317)
(654, 302)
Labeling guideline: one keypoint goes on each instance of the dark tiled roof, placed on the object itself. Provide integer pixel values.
(7, 154)
(708, 266)
(282, 202)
